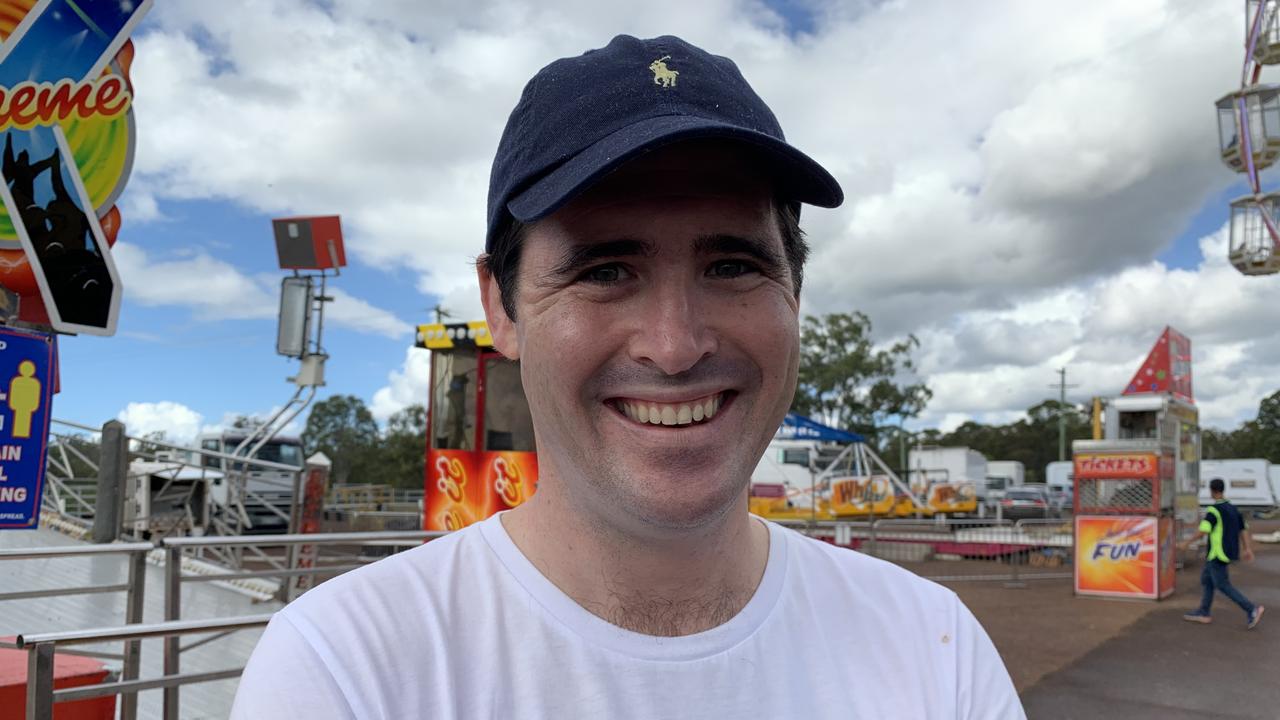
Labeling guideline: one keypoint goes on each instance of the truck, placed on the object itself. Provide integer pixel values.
(1002, 475)
(1247, 481)
(269, 491)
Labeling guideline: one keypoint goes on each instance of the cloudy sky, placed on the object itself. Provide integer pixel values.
(1030, 186)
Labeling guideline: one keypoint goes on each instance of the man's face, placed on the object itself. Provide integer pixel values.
(658, 338)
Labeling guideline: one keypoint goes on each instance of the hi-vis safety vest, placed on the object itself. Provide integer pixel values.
(1216, 551)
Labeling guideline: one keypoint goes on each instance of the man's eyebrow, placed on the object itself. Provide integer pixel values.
(760, 249)
(578, 257)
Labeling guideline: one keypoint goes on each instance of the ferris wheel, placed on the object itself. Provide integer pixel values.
(1249, 139)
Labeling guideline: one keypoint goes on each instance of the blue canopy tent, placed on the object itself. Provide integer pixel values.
(799, 427)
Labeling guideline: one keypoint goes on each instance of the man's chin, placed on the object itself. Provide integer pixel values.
(685, 511)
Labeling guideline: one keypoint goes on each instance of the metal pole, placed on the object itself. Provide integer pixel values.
(172, 611)
(40, 682)
(1062, 418)
(113, 474)
(134, 598)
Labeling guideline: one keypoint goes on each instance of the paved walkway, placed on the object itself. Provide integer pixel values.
(1093, 659)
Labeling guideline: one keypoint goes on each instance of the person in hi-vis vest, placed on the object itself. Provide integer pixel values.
(1229, 541)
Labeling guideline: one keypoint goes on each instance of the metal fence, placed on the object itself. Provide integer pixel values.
(959, 549)
(40, 648)
(133, 587)
(305, 562)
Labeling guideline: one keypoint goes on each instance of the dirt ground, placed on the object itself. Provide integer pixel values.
(1098, 658)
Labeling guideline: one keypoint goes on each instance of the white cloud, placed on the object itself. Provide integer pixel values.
(225, 293)
(179, 423)
(1012, 169)
(222, 293)
(356, 314)
(407, 385)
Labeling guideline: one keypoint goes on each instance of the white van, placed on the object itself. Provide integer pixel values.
(1248, 482)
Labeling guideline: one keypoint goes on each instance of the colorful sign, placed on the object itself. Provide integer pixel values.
(1167, 368)
(861, 495)
(1117, 556)
(66, 116)
(1117, 465)
(952, 497)
(26, 362)
(464, 487)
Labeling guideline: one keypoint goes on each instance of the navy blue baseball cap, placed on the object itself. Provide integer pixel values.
(580, 118)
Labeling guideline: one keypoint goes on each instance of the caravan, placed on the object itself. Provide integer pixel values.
(1248, 482)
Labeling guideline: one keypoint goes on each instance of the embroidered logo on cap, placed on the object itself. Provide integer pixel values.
(663, 75)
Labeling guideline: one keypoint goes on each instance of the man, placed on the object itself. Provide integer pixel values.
(1228, 541)
(643, 263)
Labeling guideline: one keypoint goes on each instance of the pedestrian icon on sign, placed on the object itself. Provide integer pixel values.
(24, 398)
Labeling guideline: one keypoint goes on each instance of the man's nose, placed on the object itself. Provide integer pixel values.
(676, 330)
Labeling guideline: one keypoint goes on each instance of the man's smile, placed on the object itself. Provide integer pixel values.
(671, 414)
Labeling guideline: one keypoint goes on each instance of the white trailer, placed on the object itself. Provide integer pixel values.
(787, 463)
(1248, 482)
(1060, 475)
(1274, 473)
(934, 463)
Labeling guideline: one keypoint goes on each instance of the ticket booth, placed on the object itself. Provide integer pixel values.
(1124, 518)
(480, 445)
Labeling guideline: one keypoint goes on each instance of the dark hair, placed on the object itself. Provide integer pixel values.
(1217, 485)
(503, 263)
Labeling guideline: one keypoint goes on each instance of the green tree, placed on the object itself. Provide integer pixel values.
(402, 458)
(846, 382)
(343, 429)
(1257, 438)
(1032, 441)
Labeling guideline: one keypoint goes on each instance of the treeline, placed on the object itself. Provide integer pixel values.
(1256, 438)
(343, 429)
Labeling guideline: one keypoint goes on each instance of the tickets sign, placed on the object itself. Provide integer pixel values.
(26, 362)
(1121, 556)
(464, 487)
(1136, 465)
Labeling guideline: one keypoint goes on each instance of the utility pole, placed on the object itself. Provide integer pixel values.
(1062, 386)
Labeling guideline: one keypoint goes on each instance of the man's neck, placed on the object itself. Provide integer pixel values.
(669, 587)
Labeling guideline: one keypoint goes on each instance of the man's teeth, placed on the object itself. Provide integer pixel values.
(671, 413)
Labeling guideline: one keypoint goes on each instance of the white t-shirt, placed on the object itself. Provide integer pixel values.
(466, 627)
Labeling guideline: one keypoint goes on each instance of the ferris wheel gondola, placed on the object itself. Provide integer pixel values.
(1254, 235)
(1249, 142)
(1266, 50)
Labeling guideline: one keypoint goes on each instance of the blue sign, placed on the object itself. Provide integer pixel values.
(26, 391)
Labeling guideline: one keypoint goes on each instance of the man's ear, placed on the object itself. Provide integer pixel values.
(501, 327)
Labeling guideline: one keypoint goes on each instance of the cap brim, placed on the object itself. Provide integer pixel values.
(798, 177)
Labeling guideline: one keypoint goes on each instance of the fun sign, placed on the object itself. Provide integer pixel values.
(68, 141)
(1124, 556)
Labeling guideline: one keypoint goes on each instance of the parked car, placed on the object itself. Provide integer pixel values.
(1060, 499)
(1024, 503)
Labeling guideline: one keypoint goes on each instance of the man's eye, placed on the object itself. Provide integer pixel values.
(604, 274)
(730, 268)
